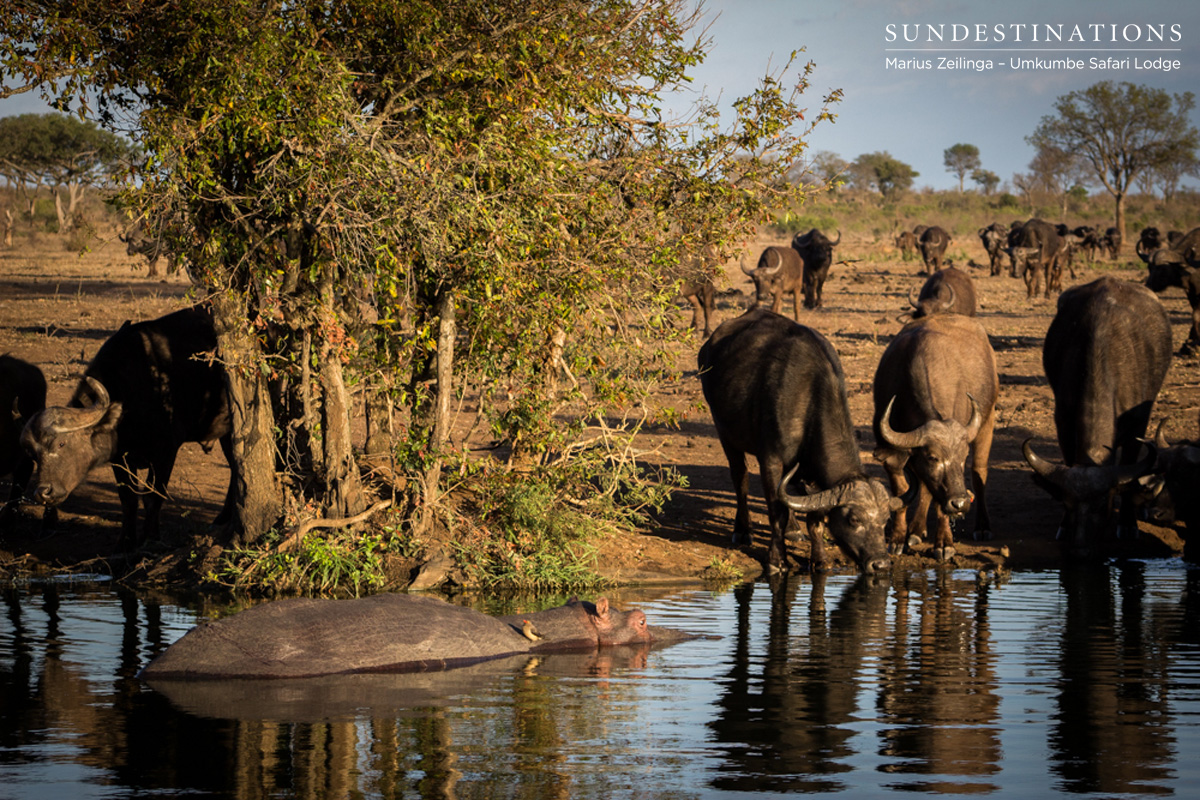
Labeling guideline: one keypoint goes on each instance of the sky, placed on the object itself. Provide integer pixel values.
(916, 114)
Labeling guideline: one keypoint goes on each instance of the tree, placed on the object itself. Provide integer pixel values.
(826, 169)
(1057, 172)
(1120, 131)
(475, 193)
(62, 152)
(960, 160)
(987, 180)
(880, 171)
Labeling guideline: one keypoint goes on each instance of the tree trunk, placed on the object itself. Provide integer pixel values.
(440, 411)
(1120, 221)
(343, 484)
(258, 500)
(63, 223)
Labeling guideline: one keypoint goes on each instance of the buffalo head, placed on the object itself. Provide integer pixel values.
(1084, 488)
(857, 513)
(938, 455)
(65, 443)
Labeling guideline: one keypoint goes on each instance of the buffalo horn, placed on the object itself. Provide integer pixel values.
(904, 441)
(1054, 473)
(1160, 435)
(807, 503)
(913, 300)
(768, 270)
(89, 416)
(1124, 473)
(837, 240)
(742, 264)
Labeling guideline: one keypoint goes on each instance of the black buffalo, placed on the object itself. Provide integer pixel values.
(151, 387)
(140, 241)
(1172, 493)
(933, 242)
(1037, 252)
(702, 296)
(1111, 242)
(776, 391)
(994, 238)
(816, 251)
(22, 395)
(1105, 356)
(935, 397)
(1178, 264)
(947, 291)
(800, 269)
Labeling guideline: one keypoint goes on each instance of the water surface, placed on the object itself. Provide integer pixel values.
(1034, 684)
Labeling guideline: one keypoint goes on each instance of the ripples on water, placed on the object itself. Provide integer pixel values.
(1035, 684)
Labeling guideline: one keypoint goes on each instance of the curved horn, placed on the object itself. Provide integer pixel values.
(1124, 473)
(90, 415)
(1160, 436)
(802, 238)
(807, 503)
(913, 300)
(948, 304)
(904, 441)
(1051, 472)
(837, 240)
(742, 264)
(768, 270)
(976, 420)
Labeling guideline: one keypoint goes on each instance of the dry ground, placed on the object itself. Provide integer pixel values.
(56, 308)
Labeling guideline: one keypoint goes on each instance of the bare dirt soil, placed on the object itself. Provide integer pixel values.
(57, 308)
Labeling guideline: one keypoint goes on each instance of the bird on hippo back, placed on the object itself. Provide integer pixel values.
(303, 637)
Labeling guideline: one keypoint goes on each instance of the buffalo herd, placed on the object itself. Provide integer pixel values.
(776, 390)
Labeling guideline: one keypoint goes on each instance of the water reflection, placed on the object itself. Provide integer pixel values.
(1084, 682)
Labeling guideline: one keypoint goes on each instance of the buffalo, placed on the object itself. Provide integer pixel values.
(702, 296)
(816, 251)
(777, 391)
(1111, 242)
(151, 387)
(22, 395)
(947, 291)
(994, 237)
(1178, 264)
(139, 241)
(1172, 492)
(934, 241)
(1105, 356)
(935, 396)
(1038, 250)
(800, 269)
(906, 243)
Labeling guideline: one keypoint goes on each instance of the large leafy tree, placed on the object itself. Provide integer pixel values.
(961, 159)
(1120, 131)
(477, 197)
(881, 171)
(62, 152)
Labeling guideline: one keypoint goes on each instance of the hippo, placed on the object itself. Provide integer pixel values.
(304, 637)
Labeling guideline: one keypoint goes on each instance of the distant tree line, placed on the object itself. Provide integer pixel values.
(1109, 135)
(62, 154)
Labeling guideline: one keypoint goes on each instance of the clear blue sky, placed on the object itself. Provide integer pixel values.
(916, 114)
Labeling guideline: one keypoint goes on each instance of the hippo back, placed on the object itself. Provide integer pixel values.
(304, 637)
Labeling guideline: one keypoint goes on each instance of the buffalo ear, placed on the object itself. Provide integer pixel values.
(108, 423)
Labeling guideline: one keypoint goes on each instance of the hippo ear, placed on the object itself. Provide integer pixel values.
(602, 607)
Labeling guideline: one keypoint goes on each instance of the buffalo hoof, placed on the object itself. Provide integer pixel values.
(945, 554)
(983, 536)
(914, 541)
(740, 538)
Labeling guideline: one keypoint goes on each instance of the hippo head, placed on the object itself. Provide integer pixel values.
(580, 623)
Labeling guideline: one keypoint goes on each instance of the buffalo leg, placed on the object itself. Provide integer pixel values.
(741, 489)
(943, 547)
(893, 463)
(771, 471)
(981, 451)
(920, 515)
(157, 477)
(126, 479)
(226, 515)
